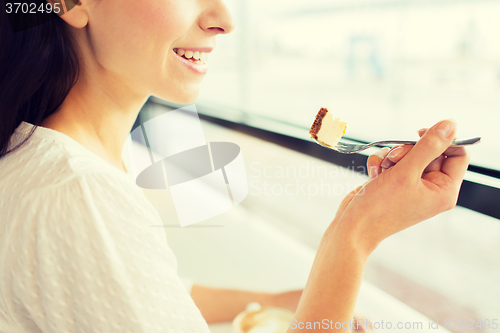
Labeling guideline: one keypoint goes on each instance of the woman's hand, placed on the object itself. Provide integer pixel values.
(412, 187)
(385, 159)
(424, 182)
(377, 163)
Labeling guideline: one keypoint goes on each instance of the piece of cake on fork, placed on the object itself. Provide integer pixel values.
(326, 129)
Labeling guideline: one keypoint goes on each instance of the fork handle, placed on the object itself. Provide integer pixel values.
(456, 143)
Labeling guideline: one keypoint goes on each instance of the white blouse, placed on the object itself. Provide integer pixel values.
(77, 253)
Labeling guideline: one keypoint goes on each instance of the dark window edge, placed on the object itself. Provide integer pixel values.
(475, 196)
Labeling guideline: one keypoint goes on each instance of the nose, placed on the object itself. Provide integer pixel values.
(216, 17)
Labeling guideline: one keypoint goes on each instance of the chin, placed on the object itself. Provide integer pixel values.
(185, 96)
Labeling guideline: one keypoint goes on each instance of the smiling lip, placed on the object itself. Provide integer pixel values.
(197, 68)
(200, 68)
(199, 49)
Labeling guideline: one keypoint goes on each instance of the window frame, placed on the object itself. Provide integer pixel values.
(480, 189)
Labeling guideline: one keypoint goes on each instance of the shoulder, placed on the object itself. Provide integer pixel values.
(50, 160)
(51, 173)
(51, 190)
(73, 228)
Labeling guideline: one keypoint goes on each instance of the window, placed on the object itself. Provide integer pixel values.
(386, 67)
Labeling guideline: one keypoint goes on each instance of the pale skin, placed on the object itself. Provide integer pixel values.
(126, 55)
(125, 48)
(222, 305)
(424, 182)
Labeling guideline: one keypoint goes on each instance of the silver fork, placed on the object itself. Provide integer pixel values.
(351, 148)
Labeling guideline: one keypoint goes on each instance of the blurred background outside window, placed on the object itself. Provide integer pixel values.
(386, 67)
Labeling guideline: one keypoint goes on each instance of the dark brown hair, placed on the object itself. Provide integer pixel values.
(38, 68)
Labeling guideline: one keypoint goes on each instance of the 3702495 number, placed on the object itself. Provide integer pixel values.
(470, 324)
(32, 8)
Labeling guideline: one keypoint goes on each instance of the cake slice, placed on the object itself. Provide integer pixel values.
(326, 129)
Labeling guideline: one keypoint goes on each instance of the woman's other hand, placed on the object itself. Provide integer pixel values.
(290, 299)
(287, 299)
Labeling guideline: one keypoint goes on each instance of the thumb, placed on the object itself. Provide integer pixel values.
(432, 144)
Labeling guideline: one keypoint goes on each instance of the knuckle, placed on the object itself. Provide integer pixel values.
(433, 142)
(449, 202)
(467, 154)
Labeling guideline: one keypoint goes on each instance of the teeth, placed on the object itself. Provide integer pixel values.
(195, 56)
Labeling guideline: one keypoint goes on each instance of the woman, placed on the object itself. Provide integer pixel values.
(76, 252)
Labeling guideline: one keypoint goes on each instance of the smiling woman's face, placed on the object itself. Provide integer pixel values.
(146, 43)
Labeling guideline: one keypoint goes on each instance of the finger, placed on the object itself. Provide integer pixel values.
(400, 151)
(395, 155)
(438, 162)
(357, 327)
(435, 165)
(456, 162)
(422, 131)
(374, 161)
(387, 162)
(432, 144)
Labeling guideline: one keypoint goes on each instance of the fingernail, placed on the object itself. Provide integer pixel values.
(395, 153)
(446, 128)
(373, 172)
(382, 152)
(387, 163)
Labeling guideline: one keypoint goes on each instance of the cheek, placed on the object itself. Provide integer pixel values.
(138, 32)
(160, 22)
